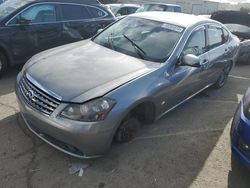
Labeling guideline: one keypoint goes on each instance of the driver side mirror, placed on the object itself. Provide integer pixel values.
(23, 21)
(190, 60)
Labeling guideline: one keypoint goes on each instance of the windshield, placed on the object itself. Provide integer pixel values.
(237, 28)
(141, 38)
(10, 6)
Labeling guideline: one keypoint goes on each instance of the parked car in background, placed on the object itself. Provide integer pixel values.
(239, 24)
(132, 73)
(123, 9)
(159, 7)
(240, 131)
(31, 26)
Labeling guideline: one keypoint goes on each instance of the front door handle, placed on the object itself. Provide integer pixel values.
(204, 62)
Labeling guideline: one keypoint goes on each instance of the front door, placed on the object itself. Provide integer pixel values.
(33, 30)
(184, 81)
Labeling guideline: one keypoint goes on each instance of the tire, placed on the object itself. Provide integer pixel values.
(223, 76)
(3, 64)
(228, 68)
(127, 130)
(221, 80)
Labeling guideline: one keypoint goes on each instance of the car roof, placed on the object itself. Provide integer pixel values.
(121, 5)
(86, 2)
(167, 4)
(180, 19)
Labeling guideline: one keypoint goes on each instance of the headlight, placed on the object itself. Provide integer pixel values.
(246, 104)
(92, 111)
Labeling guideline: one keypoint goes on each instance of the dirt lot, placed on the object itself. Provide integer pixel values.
(188, 147)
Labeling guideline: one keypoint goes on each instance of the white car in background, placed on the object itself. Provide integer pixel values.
(122, 9)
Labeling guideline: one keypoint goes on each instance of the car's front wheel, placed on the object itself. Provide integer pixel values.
(127, 130)
(3, 64)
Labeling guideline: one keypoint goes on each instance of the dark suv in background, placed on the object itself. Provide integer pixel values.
(31, 26)
(239, 24)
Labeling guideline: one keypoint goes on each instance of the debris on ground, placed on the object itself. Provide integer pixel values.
(77, 168)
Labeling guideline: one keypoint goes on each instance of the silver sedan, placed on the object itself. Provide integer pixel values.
(81, 97)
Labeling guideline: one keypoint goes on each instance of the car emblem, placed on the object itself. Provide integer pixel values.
(31, 95)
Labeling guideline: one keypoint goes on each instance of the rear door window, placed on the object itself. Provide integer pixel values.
(122, 11)
(132, 10)
(170, 9)
(74, 12)
(215, 36)
(96, 12)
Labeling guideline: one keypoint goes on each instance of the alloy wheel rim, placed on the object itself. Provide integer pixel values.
(222, 79)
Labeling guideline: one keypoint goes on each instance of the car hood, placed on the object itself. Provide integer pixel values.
(84, 70)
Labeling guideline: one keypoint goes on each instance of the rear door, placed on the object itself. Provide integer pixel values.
(76, 22)
(81, 22)
(219, 52)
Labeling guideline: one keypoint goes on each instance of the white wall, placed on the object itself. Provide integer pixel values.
(195, 6)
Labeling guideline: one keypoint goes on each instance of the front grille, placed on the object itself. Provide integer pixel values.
(36, 98)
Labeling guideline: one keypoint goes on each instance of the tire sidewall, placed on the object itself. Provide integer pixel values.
(131, 123)
(3, 62)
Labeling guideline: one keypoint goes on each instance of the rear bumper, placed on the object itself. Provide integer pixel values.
(240, 137)
(78, 139)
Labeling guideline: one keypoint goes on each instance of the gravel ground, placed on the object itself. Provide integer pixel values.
(189, 147)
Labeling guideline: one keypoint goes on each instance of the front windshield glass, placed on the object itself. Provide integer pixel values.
(141, 38)
(237, 28)
(10, 6)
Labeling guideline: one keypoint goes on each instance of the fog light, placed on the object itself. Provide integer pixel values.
(245, 147)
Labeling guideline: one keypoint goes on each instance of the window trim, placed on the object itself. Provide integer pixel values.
(54, 3)
(223, 30)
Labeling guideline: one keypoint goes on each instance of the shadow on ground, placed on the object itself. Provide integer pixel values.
(7, 81)
(239, 176)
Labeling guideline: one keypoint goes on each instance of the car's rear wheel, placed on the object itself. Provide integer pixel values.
(223, 76)
(221, 80)
(3, 64)
(127, 130)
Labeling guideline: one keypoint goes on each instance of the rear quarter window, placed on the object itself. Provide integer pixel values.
(96, 12)
(74, 12)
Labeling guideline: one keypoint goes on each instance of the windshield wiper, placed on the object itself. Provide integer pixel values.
(138, 49)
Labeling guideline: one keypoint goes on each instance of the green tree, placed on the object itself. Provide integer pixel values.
(245, 9)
